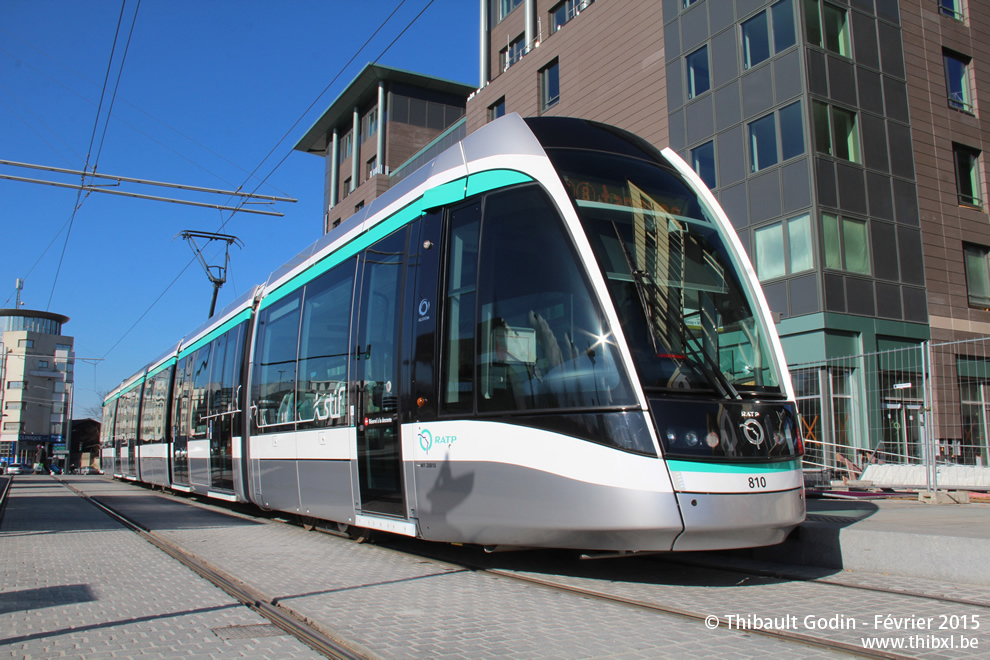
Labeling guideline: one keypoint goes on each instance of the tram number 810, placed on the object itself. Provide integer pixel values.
(757, 482)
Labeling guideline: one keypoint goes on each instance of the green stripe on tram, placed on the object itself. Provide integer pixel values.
(731, 468)
(244, 315)
(447, 193)
(160, 368)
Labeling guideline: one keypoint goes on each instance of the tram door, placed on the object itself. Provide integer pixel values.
(376, 376)
(224, 406)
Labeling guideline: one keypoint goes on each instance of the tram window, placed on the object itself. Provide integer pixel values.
(200, 391)
(323, 346)
(213, 390)
(543, 340)
(180, 402)
(275, 373)
(231, 377)
(462, 268)
(154, 406)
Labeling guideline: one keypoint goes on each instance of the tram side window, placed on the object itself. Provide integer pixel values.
(214, 392)
(133, 398)
(180, 403)
(154, 406)
(226, 394)
(200, 391)
(106, 429)
(323, 349)
(273, 390)
(462, 268)
(544, 342)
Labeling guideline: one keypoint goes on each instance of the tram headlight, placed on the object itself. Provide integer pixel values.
(691, 438)
(671, 436)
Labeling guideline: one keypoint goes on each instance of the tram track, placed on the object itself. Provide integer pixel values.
(710, 621)
(783, 573)
(523, 570)
(320, 640)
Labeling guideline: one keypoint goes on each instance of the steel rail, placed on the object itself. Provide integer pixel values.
(787, 635)
(795, 575)
(321, 641)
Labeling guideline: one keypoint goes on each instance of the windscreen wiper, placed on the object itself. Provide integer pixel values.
(706, 364)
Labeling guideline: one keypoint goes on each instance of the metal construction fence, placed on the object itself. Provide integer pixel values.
(908, 417)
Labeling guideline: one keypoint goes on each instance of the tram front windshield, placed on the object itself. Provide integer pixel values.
(689, 321)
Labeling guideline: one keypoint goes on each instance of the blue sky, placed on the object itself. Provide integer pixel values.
(206, 91)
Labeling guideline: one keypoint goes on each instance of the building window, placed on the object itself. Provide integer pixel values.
(977, 275)
(359, 206)
(703, 162)
(784, 248)
(62, 347)
(549, 86)
(505, 7)
(15, 405)
(762, 143)
(16, 384)
(42, 364)
(827, 27)
(791, 131)
(967, 175)
(807, 391)
(25, 343)
(951, 8)
(957, 81)
(12, 426)
(846, 245)
(755, 40)
(836, 133)
(688, 3)
(564, 12)
(348, 142)
(698, 80)
(496, 109)
(56, 429)
(511, 54)
(371, 167)
(347, 186)
(782, 15)
(369, 125)
(757, 32)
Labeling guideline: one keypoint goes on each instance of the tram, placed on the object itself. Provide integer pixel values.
(548, 336)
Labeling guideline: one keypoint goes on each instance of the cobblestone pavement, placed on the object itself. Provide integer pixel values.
(75, 584)
(406, 606)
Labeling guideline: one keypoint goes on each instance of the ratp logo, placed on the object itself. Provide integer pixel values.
(427, 440)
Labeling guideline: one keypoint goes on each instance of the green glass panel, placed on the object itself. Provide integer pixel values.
(977, 276)
(770, 252)
(799, 239)
(823, 133)
(856, 248)
(833, 253)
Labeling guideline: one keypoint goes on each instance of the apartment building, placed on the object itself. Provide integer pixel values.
(844, 140)
(842, 137)
(383, 126)
(36, 375)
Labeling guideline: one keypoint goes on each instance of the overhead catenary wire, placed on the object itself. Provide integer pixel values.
(122, 121)
(96, 123)
(296, 123)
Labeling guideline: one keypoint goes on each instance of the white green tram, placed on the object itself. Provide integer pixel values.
(548, 336)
